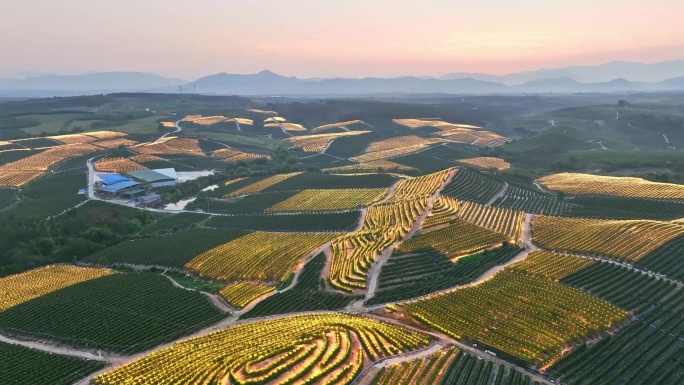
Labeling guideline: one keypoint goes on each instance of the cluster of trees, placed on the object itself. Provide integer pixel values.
(27, 242)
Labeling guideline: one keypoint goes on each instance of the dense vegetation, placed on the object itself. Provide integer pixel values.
(343, 221)
(308, 294)
(120, 312)
(28, 242)
(407, 276)
(172, 250)
(20, 366)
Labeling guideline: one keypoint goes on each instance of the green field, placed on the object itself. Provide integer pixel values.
(118, 313)
(19, 366)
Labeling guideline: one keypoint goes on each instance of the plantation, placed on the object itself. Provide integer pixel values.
(420, 186)
(8, 197)
(430, 370)
(585, 184)
(474, 186)
(647, 352)
(353, 253)
(20, 288)
(407, 276)
(502, 314)
(329, 222)
(625, 208)
(173, 250)
(307, 295)
(117, 312)
(458, 238)
(329, 200)
(317, 143)
(551, 265)
(325, 348)
(117, 164)
(628, 240)
(240, 294)
(626, 288)
(486, 163)
(450, 366)
(315, 180)
(260, 185)
(19, 367)
(262, 256)
(392, 147)
(530, 201)
(503, 221)
(175, 222)
(666, 260)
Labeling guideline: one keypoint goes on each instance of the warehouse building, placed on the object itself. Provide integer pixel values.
(155, 178)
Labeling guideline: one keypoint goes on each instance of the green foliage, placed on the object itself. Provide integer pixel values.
(120, 313)
(471, 185)
(175, 222)
(346, 221)
(427, 271)
(307, 295)
(29, 242)
(666, 260)
(21, 366)
(172, 250)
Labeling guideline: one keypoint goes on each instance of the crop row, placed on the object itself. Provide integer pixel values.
(321, 349)
(309, 293)
(473, 186)
(413, 275)
(650, 351)
(117, 164)
(352, 254)
(420, 186)
(486, 163)
(316, 143)
(518, 314)
(117, 312)
(392, 147)
(261, 256)
(551, 265)
(329, 200)
(667, 259)
(21, 366)
(169, 145)
(504, 221)
(629, 240)
(625, 287)
(240, 294)
(454, 240)
(586, 184)
(19, 288)
(530, 201)
(430, 370)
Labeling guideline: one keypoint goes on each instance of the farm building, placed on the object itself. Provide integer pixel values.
(117, 184)
(155, 178)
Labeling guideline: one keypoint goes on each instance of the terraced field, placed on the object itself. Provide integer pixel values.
(325, 348)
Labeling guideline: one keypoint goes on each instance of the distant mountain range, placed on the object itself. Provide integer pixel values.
(610, 77)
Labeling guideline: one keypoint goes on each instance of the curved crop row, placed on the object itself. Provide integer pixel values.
(321, 349)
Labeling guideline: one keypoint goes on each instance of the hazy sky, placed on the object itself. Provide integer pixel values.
(347, 38)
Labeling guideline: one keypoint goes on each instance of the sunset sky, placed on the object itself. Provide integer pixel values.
(351, 38)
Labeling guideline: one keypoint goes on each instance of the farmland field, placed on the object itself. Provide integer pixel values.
(173, 250)
(468, 312)
(117, 312)
(319, 348)
(390, 238)
(18, 367)
(255, 256)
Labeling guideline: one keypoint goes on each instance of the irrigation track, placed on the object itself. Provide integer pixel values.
(214, 298)
(498, 195)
